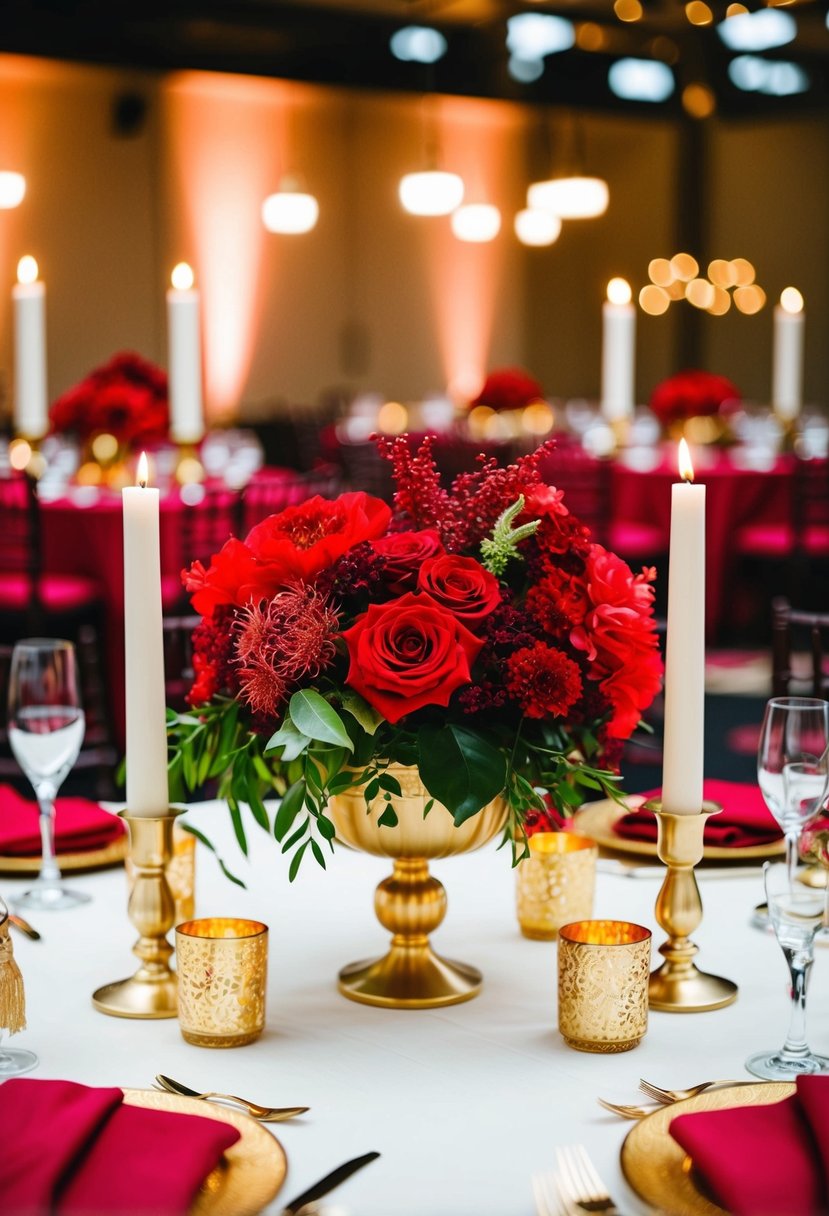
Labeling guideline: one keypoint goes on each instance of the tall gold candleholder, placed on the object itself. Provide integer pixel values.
(678, 986)
(152, 991)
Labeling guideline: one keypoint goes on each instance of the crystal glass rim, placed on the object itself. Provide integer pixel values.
(798, 702)
(44, 644)
(255, 928)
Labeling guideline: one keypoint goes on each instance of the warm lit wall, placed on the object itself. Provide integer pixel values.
(374, 298)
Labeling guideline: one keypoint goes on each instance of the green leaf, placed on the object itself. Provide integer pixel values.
(312, 714)
(460, 769)
(326, 828)
(390, 784)
(209, 844)
(289, 808)
(298, 834)
(288, 737)
(257, 806)
(317, 851)
(295, 862)
(389, 818)
(342, 782)
(368, 717)
(427, 808)
(238, 826)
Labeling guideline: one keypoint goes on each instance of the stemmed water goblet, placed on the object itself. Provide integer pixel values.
(796, 913)
(46, 729)
(793, 765)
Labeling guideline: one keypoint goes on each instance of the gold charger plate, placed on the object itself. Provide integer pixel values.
(250, 1172)
(596, 819)
(111, 854)
(661, 1172)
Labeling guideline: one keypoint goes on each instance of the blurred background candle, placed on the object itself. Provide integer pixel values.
(184, 357)
(618, 351)
(31, 415)
(685, 651)
(787, 368)
(147, 788)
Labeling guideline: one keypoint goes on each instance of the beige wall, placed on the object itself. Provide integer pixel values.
(373, 298)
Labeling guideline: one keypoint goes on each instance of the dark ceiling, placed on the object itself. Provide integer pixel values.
(347, 43)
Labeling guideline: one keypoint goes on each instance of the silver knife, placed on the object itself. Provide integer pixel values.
(327, 1183)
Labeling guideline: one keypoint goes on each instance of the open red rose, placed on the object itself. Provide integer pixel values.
(403, 553)
(462, 585)
(234, 576)
(408, 653)
(299, 542)
(691, 394)
(508, 388)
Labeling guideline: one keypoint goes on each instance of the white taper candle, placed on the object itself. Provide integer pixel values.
(618, 352)
(184, 357)
(683, 749)
(787, 366)
(31, 413)
(147, 786)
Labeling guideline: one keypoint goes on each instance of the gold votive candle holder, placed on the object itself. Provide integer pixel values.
(180, 872)
(222, 979)
(555, 884)
(603, 973)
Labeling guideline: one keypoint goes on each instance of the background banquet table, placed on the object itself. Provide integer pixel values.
(464, 1103)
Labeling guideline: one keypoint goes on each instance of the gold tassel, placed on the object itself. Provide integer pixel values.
(12, 995)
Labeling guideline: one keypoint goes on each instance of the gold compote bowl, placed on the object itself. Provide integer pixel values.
(411, 903)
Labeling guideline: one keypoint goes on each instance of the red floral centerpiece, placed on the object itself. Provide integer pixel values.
(477, 634)
(692, 394)
(126, 398)
(508, 388)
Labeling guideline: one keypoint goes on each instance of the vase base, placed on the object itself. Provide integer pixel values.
(689, 992)
(138, 998)
(410, 979)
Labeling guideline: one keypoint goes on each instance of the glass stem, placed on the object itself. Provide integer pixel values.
(49, 871)
(4, 1056)
(792, 852)
(800, 965)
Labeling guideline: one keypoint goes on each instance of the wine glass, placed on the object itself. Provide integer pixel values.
(46, 728)
(796, 913)
(793, 765)
(14, 1061)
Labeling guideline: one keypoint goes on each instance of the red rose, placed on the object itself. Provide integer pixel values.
(462, 585)
(508, 388)
(299, 542)
(403, 553)
(408, 653)
(234, 576)
(691, 394)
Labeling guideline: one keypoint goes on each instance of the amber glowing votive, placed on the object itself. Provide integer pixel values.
(555, 884)
(222, 965)
(603, 973)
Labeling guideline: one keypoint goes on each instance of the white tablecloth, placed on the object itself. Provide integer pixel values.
(463, 1103)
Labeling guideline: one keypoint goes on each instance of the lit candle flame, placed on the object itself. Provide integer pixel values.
(182, 277)
(686, 467)
(142, 475)
(27, 269)
(791, 301)
(618, 291)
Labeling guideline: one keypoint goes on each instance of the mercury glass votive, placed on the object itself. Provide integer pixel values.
(603, 973)
(555, 883)
(222, 965)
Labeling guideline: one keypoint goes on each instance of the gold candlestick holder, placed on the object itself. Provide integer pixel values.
(152, 991)
(678, 986)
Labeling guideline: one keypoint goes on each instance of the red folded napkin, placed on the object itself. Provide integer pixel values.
(77, 1151)
(744, 820)
(80, 825)
(764, 1160)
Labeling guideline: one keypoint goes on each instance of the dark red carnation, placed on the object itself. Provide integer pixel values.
(691, 394)
(543, 680)
(408, 653)
(508, 388)
(462, 585)
(299, 542)
(403, 554)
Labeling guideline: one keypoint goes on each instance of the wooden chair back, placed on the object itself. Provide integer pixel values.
(792, 632)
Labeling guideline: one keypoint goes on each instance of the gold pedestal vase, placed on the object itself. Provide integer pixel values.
(151, 992)
(678, 986)
(411, 903)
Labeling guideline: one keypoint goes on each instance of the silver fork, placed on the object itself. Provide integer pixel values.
(579, 1185)
(668, 1096)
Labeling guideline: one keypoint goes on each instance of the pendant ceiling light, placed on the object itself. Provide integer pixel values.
(476, 222)
(431, 192)
(572, 194)
(290, 210)
(12, 189)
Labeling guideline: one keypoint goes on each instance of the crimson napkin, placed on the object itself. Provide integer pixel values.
(744, 820)
(764, 1160)
(76, 1151)
(80, 825)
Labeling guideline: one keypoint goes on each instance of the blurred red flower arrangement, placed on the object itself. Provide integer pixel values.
(508, 388)
(692, 394)
(126, 397)
(477, 633)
